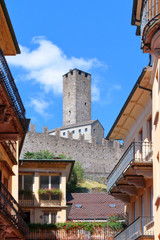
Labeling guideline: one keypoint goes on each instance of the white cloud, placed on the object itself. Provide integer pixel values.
(47, 63)
(40, 106)
(95, 93)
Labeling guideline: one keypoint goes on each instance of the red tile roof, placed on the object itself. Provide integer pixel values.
(94, 206)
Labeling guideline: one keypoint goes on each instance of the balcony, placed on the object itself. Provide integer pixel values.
(135, 163)
(10, 210)
(10, 90)
(142, 226)
(150, 22)
(26, 199)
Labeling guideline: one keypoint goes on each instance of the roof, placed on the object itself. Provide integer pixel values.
(128, 101)
(137, 15)
(11, 30)
(93, 206)
(41, 161)
(91, 122)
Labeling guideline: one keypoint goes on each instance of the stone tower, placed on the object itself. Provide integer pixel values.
(76, 97)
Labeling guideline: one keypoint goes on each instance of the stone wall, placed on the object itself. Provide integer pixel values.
(76, 97)
(97, 159)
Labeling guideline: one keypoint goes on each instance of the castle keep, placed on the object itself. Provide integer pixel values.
(76, 97)
(79, 137)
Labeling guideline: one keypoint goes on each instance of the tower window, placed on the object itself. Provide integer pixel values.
(73, 132)
(70, 111)
(66, 75)
(86, 75)
(71, 72)
(64, 133)
(79, 130)
(79, 72)
(85, 104)
(86, 129)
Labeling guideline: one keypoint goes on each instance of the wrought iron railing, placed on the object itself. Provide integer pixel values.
(26, 199)
(142, 226)
(150, 15)
(11, 209)
(8, 82)
(136, 152)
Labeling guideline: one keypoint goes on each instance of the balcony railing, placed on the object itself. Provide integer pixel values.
(142, 226)
(137, 152)
(26, 199)
(150, 14)
(11, 209)
(8, 82)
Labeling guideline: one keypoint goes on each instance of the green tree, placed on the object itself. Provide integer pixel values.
(77, 177)
(44, 154)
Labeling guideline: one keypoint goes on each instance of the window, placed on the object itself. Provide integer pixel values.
(64, 133)
(49, 182)
(140, 138)
(79, 130)
(28, 217)
(79, 72)
(73, 132)
(49, 217)
(26, 182)
(151, 201)
(149, 123)
(86, 129)
(46, 218)
(142, 206)
(86, 75)
(134, 211)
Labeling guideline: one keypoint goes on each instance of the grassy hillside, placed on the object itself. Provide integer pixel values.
(91, 185)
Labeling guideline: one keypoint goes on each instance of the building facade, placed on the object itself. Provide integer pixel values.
(135, 179)
(13, 127)
(42, 189)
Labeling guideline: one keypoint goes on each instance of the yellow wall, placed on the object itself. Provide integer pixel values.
(156, 147)
(42, 206)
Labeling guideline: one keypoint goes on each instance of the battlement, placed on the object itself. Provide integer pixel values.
(76, 72)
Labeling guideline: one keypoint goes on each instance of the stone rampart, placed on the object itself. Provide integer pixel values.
(96, 159)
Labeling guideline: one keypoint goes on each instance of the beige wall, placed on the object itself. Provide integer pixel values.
(156, 147)
(46, 206)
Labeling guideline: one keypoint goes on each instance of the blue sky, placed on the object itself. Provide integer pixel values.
(55, 36)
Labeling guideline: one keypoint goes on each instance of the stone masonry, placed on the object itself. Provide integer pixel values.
(76, 97)
(97, 159)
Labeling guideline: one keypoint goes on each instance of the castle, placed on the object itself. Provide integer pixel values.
(79, 137)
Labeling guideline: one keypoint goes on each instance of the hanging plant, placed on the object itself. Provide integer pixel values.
(52, 191)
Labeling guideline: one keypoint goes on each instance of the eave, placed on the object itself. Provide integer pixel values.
(143, 80)
(8, 41)
(137, 14)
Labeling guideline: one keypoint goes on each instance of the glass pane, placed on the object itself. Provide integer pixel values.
(28, 182)
(55, 181)
(20, 182)
(44, 182)
(53, 218)
(46, 218)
